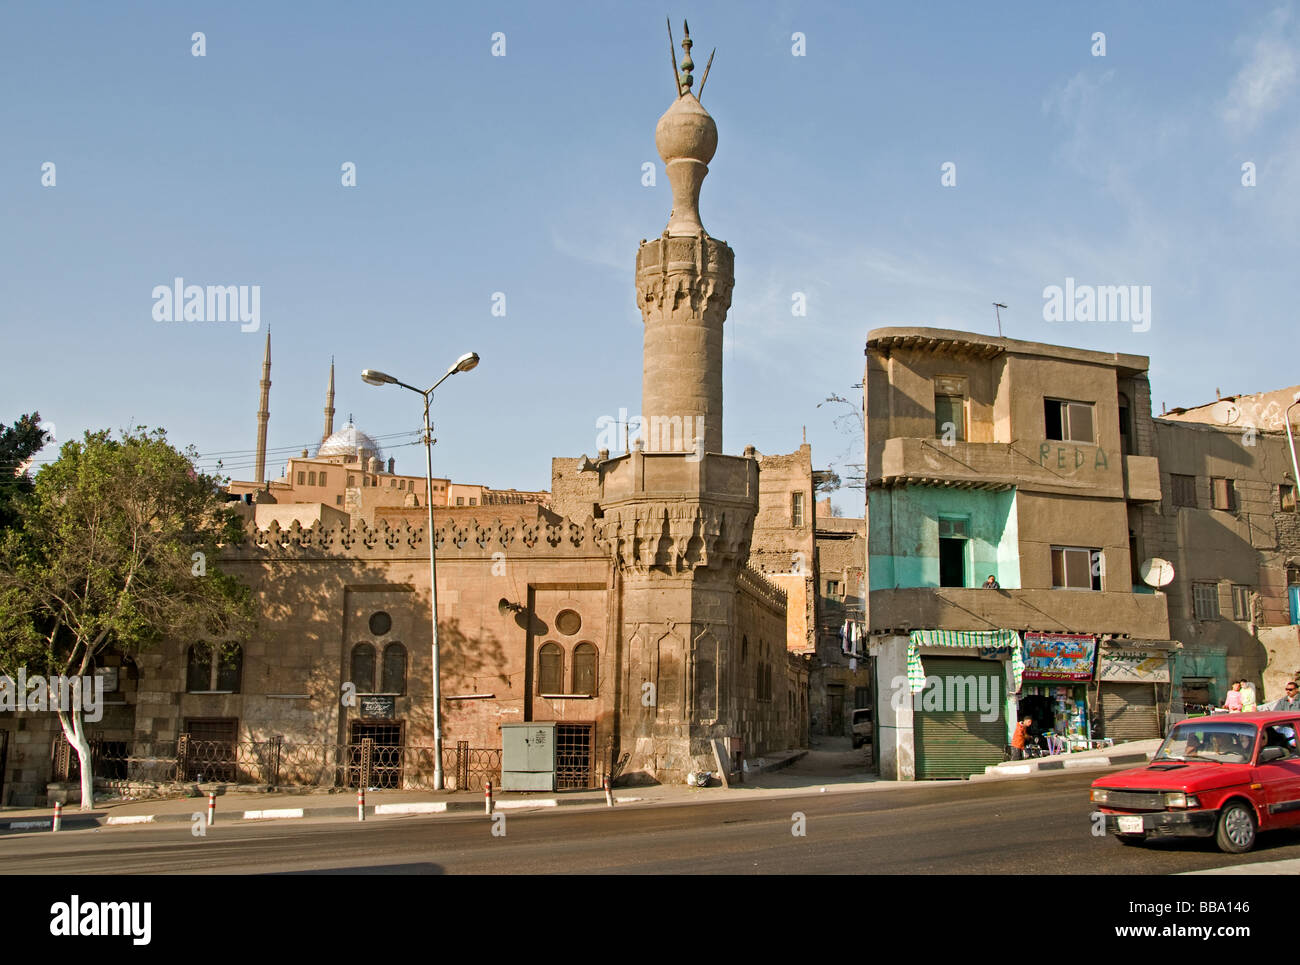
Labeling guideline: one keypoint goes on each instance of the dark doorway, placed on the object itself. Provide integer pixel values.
(573, 757)
(835, 710)
(952, 562)
(385, 752)
(212, 749)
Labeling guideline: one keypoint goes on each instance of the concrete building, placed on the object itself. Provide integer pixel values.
(840, 679)
(1229, 526)
(1030, 465)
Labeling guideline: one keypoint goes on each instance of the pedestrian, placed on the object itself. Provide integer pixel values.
(1018, 738)
(1290, 702)
(991, 583)
(1233, 702)
(1248, 704)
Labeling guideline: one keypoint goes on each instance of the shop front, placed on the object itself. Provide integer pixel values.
(1132, 688)
(1058, 670)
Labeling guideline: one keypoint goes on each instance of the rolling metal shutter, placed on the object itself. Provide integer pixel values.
(957, 744)
(1129, 711)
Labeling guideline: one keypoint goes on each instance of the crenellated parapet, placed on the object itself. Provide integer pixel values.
(464, 539)
(758, 586)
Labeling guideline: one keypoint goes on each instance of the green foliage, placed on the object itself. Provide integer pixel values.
(105, 556)
(18, 444)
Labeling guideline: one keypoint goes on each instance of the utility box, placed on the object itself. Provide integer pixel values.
(528, 756)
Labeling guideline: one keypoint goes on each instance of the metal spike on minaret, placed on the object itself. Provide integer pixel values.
(329, 406)
(263, 409)
(688, 65)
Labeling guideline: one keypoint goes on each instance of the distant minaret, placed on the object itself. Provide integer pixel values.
(329, 405)
(263, 410)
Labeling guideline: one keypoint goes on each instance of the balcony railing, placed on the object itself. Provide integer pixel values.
(1040, 465)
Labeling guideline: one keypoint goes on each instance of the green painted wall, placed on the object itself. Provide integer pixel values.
(903, 548)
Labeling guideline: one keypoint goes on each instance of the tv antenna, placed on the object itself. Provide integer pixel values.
(997, 310)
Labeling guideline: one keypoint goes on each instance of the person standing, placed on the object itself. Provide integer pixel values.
(1233, 702)
(1290, 702)
(1248, 704)
(1018, 738)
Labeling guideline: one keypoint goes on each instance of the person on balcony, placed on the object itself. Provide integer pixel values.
(991, 583)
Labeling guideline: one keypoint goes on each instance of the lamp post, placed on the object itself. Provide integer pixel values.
(374, 377)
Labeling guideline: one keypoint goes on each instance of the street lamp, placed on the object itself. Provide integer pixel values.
(375, 377)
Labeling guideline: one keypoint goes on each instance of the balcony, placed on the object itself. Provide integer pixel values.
(1139, 615)
(1037, 465)
(1142, 479)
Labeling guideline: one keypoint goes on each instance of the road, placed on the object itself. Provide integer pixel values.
(1014, 827)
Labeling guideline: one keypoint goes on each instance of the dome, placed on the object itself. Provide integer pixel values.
(352, 443)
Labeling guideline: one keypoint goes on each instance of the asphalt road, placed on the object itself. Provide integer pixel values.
(1037, 826)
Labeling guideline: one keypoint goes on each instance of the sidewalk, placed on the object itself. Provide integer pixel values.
(1130, 754)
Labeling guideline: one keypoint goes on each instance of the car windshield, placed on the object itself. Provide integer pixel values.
(1205, 739)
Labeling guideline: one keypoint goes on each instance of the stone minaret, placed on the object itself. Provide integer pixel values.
(676, 514)
(329, 406)
(684, 281)
(263, 409)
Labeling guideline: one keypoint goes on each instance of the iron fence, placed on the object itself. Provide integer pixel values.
(279, 763)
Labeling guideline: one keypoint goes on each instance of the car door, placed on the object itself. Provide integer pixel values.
(1280, 779)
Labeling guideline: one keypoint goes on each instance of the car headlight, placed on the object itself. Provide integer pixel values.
(1100, 795)
(1178, 799)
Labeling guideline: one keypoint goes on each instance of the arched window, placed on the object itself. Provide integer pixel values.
(198, 668)
(363, 668)
(230, 668)
(584, 669)
(394, 669)
(550, 669)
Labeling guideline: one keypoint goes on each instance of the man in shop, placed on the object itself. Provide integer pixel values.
(1018, 738)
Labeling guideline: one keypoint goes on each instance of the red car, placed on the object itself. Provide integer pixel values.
(1227, 776)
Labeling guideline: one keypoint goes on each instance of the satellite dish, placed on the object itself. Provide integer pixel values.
(1226, 413)
(1156, 572)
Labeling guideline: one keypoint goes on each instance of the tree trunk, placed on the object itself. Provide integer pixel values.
(74, 729)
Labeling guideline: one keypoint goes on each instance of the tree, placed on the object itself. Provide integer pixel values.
(19, 443)
(116, 547)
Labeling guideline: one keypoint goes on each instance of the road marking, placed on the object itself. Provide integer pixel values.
(24, 825)
(419, 807)
(1086, 763)
(132, 819)
(273, 813)
(1013, 769)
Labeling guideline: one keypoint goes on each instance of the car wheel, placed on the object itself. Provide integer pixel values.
(1236, 832)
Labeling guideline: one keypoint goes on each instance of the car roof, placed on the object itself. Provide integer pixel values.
(1260, 717)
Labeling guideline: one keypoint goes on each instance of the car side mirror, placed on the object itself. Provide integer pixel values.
(1271, 754)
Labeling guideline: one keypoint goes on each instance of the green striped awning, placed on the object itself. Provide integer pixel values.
(973, 639)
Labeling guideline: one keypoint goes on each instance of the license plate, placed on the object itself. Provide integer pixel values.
(1130, 824)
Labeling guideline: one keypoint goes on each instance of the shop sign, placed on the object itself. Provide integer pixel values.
(1134, 666)
(1059, 656)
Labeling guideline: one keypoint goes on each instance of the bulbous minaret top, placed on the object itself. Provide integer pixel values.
(687, 139)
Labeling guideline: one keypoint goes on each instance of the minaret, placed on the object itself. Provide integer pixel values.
(677, 513)
(684, 281)
(263, 409)
(329, 405)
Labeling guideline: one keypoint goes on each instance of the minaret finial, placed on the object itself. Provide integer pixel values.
(688, 65)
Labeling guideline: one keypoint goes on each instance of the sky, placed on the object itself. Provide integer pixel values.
(878, 164)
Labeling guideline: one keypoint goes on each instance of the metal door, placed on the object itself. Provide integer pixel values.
(1128, 712)
(956, 741)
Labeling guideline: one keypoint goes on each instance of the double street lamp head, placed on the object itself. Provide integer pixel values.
(463, 364)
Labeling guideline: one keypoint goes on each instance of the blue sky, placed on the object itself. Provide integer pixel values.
(522, 174)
